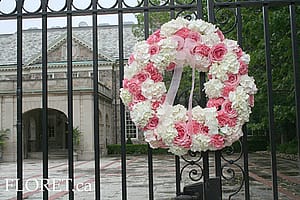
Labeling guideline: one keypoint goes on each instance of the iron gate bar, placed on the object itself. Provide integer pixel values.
(19, 100)
(150, 156)
(295, 52)
(70, 100)
(270, 99)
(244, 139)
(44, 99)
(96, 101)
(122, 107)
(261, 3)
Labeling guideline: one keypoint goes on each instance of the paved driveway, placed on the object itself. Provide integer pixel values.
(137, 179)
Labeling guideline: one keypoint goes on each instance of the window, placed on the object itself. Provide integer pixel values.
(131, 129)
(50, 76)
(51, 127)
(75, 74)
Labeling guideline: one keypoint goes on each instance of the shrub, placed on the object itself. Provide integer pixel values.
(134, 149)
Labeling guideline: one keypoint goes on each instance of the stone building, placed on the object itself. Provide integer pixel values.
(82, 67)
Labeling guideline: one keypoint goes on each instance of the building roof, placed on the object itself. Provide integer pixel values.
(108, 42)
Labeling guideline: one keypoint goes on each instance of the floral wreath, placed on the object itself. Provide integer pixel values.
(229, 89)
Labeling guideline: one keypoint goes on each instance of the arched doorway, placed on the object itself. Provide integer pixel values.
(57, 136)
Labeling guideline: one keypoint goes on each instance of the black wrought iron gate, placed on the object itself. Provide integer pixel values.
(209, 187)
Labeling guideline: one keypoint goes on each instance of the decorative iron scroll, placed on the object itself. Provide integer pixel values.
(192, 159)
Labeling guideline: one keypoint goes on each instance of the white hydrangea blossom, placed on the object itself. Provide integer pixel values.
(200, 142)
(125, 96)
(169, 28)
(245, 58)
(152, 90)
(248, 83)
(219, 70)
(131, 70)
(141, 113)
(213, 88)
(179, 113)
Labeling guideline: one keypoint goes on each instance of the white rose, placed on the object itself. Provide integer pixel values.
(213, 88)
(198, 114)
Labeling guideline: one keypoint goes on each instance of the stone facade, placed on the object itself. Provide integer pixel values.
(83, 106)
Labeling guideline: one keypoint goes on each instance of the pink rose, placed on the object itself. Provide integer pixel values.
(201, 49)
(155, 105)
(180, 42)
(251, 100)
(156, 76)
(142, 76)
(125, 83)
(182, 139)
(152, 124)
(194, 36)
(224, 119)
(134, 86)
(183, 32)
(243, 68)
(227, 108)
(220, 34)
(239, 52)
(131, 59)
(217, 52)
(150, 68)
(217, 141)
(153, 49)
(204, 129)
(193, 127)
(171, 66)
(233, 80)
(138, 98)
(154, 38)
(227, 89)
(215, 102)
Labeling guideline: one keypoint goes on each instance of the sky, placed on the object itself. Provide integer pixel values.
(9, 26)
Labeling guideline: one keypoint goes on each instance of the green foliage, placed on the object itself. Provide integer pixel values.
(3, 137)
(289, 147)
(134, 149)
(76, 136)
